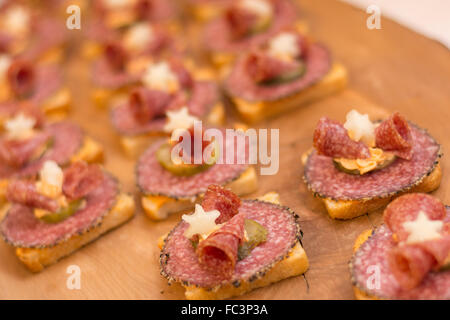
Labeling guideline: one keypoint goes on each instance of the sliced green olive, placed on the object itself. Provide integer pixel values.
(260, 26)
(256, 234)
(64, 213)
(163, 155)
(286, 77)
(380, 166)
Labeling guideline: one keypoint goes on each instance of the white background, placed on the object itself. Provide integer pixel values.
(429, 17)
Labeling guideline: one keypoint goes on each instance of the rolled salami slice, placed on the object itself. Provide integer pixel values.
(219, 38)
(223, 200)
(22, 229)
(331, 139)
(394, 135)
(80, 179)
(21, 78)
(218, 253)
(372, 273)
(66, 138)
(326, 181)
(16, 153)
(240, 84)
(203, 96)
(179, 261)
(153, 179)
(25, 193)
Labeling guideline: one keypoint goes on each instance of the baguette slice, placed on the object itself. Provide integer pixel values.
(136, 144)
(252, 112)
(352, 208)
(160, 207)
(58, 105)
(35, 259)
(294, 264)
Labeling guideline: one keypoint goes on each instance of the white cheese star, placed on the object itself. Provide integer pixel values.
(159, 76)
(51, 179)
(179, 119)
(138, 37)
(261, 8)
(117, 4)
(200, 222)
(360, 128)
(423, 229)
(16, 20)
(284, 46)
(19, 127)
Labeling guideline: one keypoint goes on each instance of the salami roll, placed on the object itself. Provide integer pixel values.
(80, 179)
(20, 228)
(153, 179)
(372, 274)
(67, 139)
(218, 253)
(240, 84)
(218, 38)
(326, 181)
(331, 139)
(179, 261)
(202, 99)
(394, 135)
(222, 200)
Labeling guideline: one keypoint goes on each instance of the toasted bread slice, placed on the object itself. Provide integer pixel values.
(160, 207)
(294, 264)
(58, 105)
(352, 208)
(91, 151)
(35, 259)
(136, 144)
(252, 112)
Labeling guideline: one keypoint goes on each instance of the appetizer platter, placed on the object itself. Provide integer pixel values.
(97, 189)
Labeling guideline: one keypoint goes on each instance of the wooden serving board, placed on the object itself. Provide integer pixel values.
(392, 67)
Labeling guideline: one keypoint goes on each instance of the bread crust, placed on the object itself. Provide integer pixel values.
(35, 259)
(252, 112)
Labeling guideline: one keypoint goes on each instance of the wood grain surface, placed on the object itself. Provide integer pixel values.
(392, 67)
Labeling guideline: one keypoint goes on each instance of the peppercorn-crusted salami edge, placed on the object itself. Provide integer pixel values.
(151, 166)
(422, 291)
(239, 84)
(110, 182)
(121, 117)
(387, 194)
(251, 275)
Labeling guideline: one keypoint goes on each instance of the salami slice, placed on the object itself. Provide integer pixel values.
(80, 179)
(21, 229)
(326, 181)
(222, 200)
(371, 258)
(218, 253)
(104, 76)
(179, 261)
(407, 208)
(153, 179)
(203, 97)
(218, 38)
(241, 85)
(67, 139)
(49, 80)
(21, 78)
(394, 134)
(25, 193)
(16, 153)
(331, 139)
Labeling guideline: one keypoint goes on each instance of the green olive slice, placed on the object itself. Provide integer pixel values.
(256, 234)
(63, 213)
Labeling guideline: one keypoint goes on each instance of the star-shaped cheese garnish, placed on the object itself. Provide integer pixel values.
(51, 179)
(423, 229)
(159, 76)
(179, 119)
(261, 8)
(117, 4)
(200, 222)
(360, 128)
(20, 127)
(16, 20)
(139, 36)
(284, 46)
